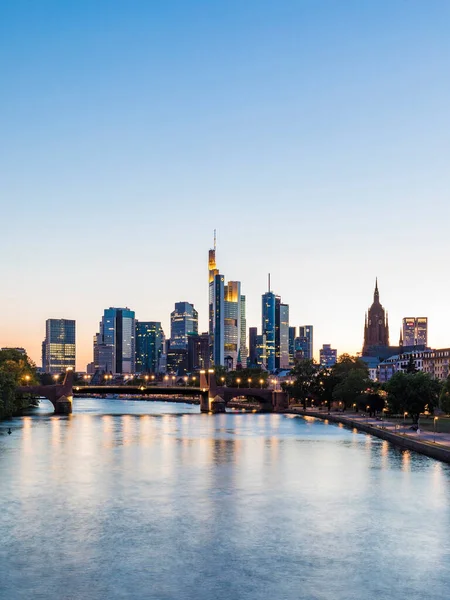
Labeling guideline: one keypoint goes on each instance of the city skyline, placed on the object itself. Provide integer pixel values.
(313, 136)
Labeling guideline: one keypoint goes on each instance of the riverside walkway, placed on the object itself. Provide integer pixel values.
(430, 443)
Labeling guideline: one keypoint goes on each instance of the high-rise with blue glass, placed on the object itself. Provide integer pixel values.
(227, 323)
(149, 342)
(268, 325)
(114, 345)
(183, 322)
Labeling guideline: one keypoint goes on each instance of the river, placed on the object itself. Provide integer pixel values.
(151, 500)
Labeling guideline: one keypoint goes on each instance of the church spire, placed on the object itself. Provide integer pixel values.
(376, 294)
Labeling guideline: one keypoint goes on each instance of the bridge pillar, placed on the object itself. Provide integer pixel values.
(204, 401)
(63, 406)
(280, 401)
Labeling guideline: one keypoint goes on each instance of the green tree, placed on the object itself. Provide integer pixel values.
(411, 366)
(412, 393)
(351, 380)
(304, 386)
(444, 397)
(15, 369)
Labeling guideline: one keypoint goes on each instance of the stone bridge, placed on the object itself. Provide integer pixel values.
(60, 394)
(271, 399)
(210, 394)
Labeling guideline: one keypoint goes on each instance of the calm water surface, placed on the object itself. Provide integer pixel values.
(142, 500)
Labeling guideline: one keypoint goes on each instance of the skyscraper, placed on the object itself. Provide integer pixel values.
(292, 335)
(281, 334)
(268, 322)
(415, 331)
(252, 335)
(328, 356)
(58, 348)
(149, 341)
(243, 342)
(227, 322)
(183, 321)
(305, 341)
(376, 326)
(114, 345)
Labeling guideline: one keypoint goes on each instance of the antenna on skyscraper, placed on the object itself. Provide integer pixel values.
(214, 239)
(269, 283)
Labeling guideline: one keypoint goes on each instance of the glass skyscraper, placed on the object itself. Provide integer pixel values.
(183, 321)
(114, 345)
(58, 348)
(304, 343)
(149, 341)
(415, 331)
(328, 356)
(268, 327)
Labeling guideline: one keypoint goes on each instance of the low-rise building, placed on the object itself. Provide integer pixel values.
(436, 363)
(399, 362)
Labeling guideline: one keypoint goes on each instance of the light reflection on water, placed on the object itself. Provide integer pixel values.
(129, 499)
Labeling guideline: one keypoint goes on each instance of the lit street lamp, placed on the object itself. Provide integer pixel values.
(434, 429)
(261, 381)
(238, 381)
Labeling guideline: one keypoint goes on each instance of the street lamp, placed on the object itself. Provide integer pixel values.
(249, 382)
(434, 429)
(404, 420)
(261, 381)
(222, 379)
(238, 381)
(186, 380)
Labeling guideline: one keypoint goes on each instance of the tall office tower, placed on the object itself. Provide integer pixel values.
(304, 342)
(149, 338)
(328, 356)
(415, 331)
(218, 335)
(205, 357)
(226, 317)
(183, 321)
(376, 326)
(281, 334)
(232, 322)
(252, 335)
(58, 348)
(261, 351)
(212, 272)
(268, 326)
(292, 336)
(114, 345)
(243, 344)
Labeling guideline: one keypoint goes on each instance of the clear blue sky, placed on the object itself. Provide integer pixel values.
(314, 135)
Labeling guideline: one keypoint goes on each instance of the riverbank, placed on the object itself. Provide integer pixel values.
(430, 444)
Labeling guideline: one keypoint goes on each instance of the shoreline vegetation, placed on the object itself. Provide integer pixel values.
(15, 369)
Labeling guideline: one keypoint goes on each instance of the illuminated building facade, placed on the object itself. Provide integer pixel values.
(281, 334)
(415, 331)
(227, 323)
(304, 343)
(268, 322)
(292, 336)
(58, 348)
(149, 344)
(183, 321)
(328, 356)
(114, 345)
